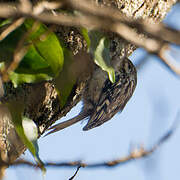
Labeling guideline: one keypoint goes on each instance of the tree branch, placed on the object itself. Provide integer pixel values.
(134, 155)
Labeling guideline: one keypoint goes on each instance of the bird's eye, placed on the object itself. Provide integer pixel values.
(129, 66)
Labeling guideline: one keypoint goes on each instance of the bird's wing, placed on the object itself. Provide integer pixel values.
(113, 100)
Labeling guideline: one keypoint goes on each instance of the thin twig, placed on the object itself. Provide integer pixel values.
(26, 7)
(11, 28)
(156, 30)
(45, 5)
(19, 53)
(168, 60)
(75, 173)
(136, 154)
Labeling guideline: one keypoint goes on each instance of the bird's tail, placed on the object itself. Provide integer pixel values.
(68, 123)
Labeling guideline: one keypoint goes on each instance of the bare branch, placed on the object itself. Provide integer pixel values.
(168, 60)
(19, 53)
(11, 28)
(136, 154)
(45, 5)
(96, 18)
(75, 173)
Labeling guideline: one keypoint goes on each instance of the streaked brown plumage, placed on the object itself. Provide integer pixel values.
(103, 99)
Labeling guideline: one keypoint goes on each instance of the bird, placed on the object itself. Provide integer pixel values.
(102, 99)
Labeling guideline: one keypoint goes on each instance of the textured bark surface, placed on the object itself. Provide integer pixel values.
(42, 103)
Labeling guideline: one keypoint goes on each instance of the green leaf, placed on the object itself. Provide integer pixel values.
(33, 63)
(84, 32)
(9, 44)
(47, 45)
(66, 80)
(44, 58)
(26, 129)
(5, 22)
(18, 78)
(31, 132)
(100, 50)
(2, 66)
(16, 110)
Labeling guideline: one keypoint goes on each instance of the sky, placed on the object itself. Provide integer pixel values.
(147, 116)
